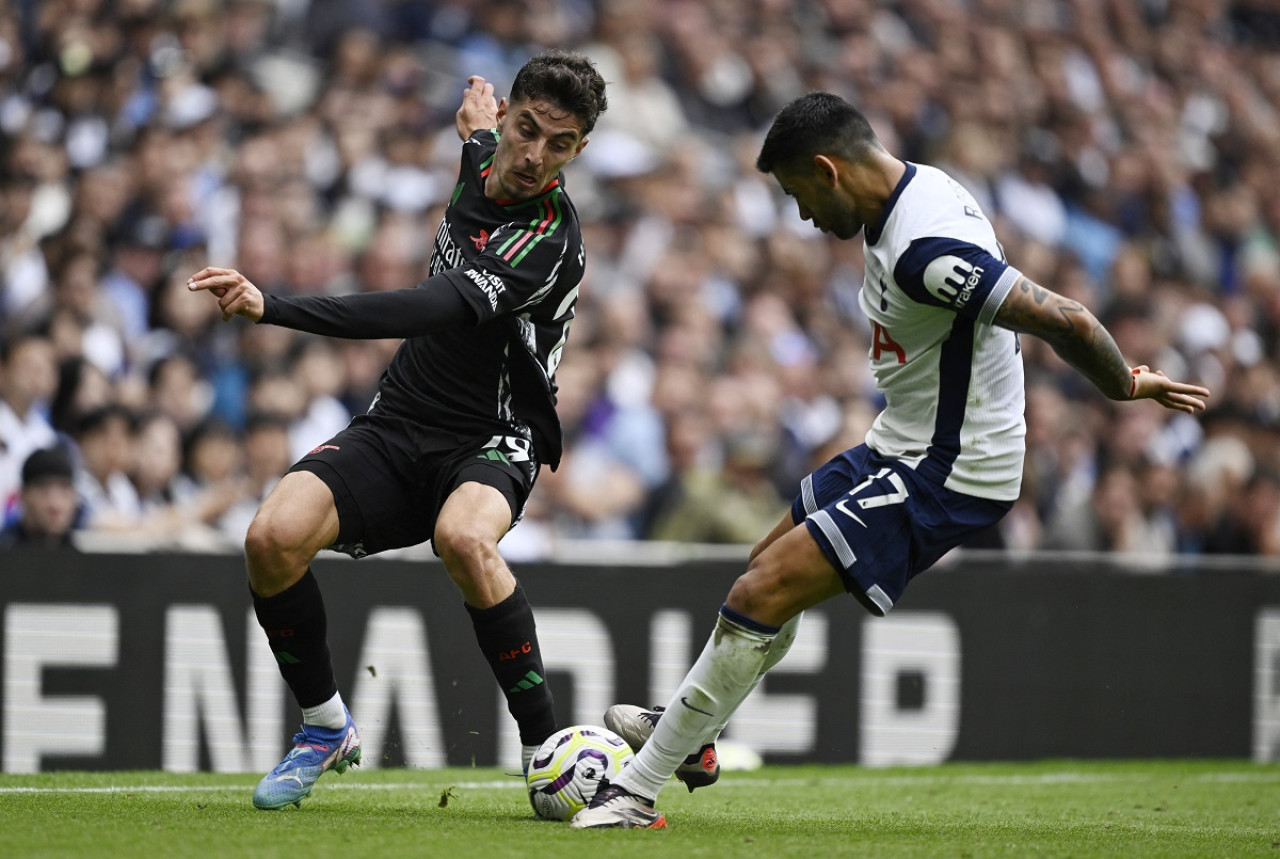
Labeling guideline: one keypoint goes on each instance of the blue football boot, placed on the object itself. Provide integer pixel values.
(315, 751)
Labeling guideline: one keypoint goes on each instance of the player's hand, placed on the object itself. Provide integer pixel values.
(236, 295)
(479, 109)
(1148, 385)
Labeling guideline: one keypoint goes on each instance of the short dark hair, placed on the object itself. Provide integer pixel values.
(48, 463)
(9, 345)
(569, 81)
(94, 420)
(816, 124)
(259, 420)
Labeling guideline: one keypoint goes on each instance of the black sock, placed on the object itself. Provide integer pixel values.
(508, 639)
(295, 623)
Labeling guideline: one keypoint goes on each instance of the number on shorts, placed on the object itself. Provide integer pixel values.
(899, 494)
(516, 448)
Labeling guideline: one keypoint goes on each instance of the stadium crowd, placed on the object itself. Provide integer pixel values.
(1129, 153)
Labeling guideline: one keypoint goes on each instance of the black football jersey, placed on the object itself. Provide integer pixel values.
(517, 265)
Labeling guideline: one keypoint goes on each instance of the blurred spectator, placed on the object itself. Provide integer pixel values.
(212, 456)
(267, 456)
(104, 438)
(134, 275)
(1126, 152)
(497, 44)
(170, 515)
(1262, 517)
(598, 491)
(26, 276)
(732, 503)
(319, 371)
(28, 380)
(176, 389)
(82, 388)
(157, 460)
(47, 513)
(1111, 519)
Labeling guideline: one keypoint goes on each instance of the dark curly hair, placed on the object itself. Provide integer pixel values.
(569, 81)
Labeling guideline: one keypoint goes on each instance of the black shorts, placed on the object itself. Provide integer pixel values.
(389, 479)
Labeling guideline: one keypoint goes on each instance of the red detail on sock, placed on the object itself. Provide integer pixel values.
(507, 655)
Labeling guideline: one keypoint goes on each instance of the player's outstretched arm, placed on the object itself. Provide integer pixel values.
(1080, 339)
(236, 295)
(479, 110)
(433, 304)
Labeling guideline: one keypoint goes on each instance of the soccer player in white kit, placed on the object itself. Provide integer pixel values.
(942, 461)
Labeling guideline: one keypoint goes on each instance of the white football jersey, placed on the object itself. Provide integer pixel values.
(952, 382)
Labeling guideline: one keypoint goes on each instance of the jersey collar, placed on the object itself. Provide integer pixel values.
(507, 203)
(872, 234)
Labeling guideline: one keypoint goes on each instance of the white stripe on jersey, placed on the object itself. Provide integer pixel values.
(952, 382)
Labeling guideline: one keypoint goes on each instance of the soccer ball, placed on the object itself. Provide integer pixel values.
(567, 768)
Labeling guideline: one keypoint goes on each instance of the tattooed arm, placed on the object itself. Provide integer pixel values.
(1080, 339)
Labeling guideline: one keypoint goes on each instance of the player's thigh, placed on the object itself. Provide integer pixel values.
(471, 522)
(788, 576)
(294, 523)
(299, 511)
(474, 512)
(483, 487)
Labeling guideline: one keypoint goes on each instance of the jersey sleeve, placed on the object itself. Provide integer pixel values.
(429, 306)
(519, 264)
(957, 275)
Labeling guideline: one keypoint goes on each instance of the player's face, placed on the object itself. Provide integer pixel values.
(538, 140)
(819, 200)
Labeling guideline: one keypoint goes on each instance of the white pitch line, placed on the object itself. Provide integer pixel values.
(864, 781)
(191, 788)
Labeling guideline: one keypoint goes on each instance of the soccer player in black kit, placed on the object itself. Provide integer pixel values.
(463, 418)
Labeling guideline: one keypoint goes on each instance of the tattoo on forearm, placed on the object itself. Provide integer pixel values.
(1073, 332)
(1098, 358)
(1018, 316)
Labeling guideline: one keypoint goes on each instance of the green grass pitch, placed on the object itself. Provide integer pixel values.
(1052, 808)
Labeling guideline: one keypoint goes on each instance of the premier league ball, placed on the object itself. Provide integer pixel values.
(567, 768)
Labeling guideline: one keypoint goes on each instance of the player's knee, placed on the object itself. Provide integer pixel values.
(750, 595)
(261, 548)
(271, 543)
(472, 561)
(463, 547)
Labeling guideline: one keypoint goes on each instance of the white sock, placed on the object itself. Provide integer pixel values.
(728, 669)
(526, 756)
(781, 644)
(332, 714)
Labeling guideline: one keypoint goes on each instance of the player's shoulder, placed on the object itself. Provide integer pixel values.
(483, 138)
(934, 193)
(478, 149)
(935, 204)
